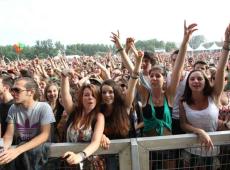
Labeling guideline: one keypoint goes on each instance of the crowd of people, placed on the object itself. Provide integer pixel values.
(132, 93)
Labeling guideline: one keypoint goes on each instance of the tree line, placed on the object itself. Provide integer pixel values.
(45, 48)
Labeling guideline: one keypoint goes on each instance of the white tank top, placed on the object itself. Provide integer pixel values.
(206, 119)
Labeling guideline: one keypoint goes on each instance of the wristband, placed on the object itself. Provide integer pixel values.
(134, 77)
(120, 49)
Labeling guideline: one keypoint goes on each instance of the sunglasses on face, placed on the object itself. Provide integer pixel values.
(17, 90)
(122, 85)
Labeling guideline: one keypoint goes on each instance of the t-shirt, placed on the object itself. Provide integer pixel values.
(28, 121)
(145, 82)
(4, 107)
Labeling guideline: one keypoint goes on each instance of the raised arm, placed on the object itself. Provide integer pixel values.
(180, 60)
(65, 91)
(103, 69)
(125, 59)
(219, 77)
(134, 79)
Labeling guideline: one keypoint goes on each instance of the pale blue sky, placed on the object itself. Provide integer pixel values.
(91, 21)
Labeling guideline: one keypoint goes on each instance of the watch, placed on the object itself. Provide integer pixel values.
(82, 155)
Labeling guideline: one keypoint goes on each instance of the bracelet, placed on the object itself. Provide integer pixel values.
(134, 77)
(225, 48)
(119, 50)
(82, 155)
(227, 42)
(136, 73)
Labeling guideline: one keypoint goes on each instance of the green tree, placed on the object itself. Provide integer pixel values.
(196, 41)
(170, 46)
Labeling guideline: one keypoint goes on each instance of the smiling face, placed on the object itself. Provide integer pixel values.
(107, 94)
(88, 100)
(52, 93)
(196, 81)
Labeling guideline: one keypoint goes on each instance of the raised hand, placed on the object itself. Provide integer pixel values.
(188, 30)
(227, 39)
(128, 44)
(67, 72)
(116, 39)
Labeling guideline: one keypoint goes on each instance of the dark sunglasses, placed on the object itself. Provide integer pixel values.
(17, 90)
(122, 85)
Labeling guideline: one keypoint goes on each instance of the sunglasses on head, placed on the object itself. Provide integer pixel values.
(17, 90)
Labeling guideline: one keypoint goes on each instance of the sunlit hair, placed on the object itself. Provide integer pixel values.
(7, 80)
(30, 84)
(86, 119)
(187, 96)
(158, 68)
(119, 123)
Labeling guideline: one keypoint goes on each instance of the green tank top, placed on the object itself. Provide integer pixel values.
(157, 124)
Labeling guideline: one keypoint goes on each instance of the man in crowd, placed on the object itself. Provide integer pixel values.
(6, 82)
(30, 121)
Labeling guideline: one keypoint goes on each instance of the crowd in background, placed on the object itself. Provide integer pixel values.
(130, 93)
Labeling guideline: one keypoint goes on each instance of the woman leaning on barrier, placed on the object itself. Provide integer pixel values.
(116, 106)
(85, 123)
(199, 109)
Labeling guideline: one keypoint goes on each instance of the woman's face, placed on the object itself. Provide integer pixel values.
(156, 79)
(196, 81)
(107, 94)
(42, 84)
(52, 93)
(97, 70)
(89, 101)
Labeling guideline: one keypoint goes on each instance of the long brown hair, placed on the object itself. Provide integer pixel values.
(86, 119)
(187, 96)
(117, 123)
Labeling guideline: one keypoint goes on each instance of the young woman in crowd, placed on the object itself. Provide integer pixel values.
(52, 97)
(86, 123)
(116, 106)
(199, 109)
(159, 100)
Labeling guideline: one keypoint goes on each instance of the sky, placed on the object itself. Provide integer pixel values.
(92, 21)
